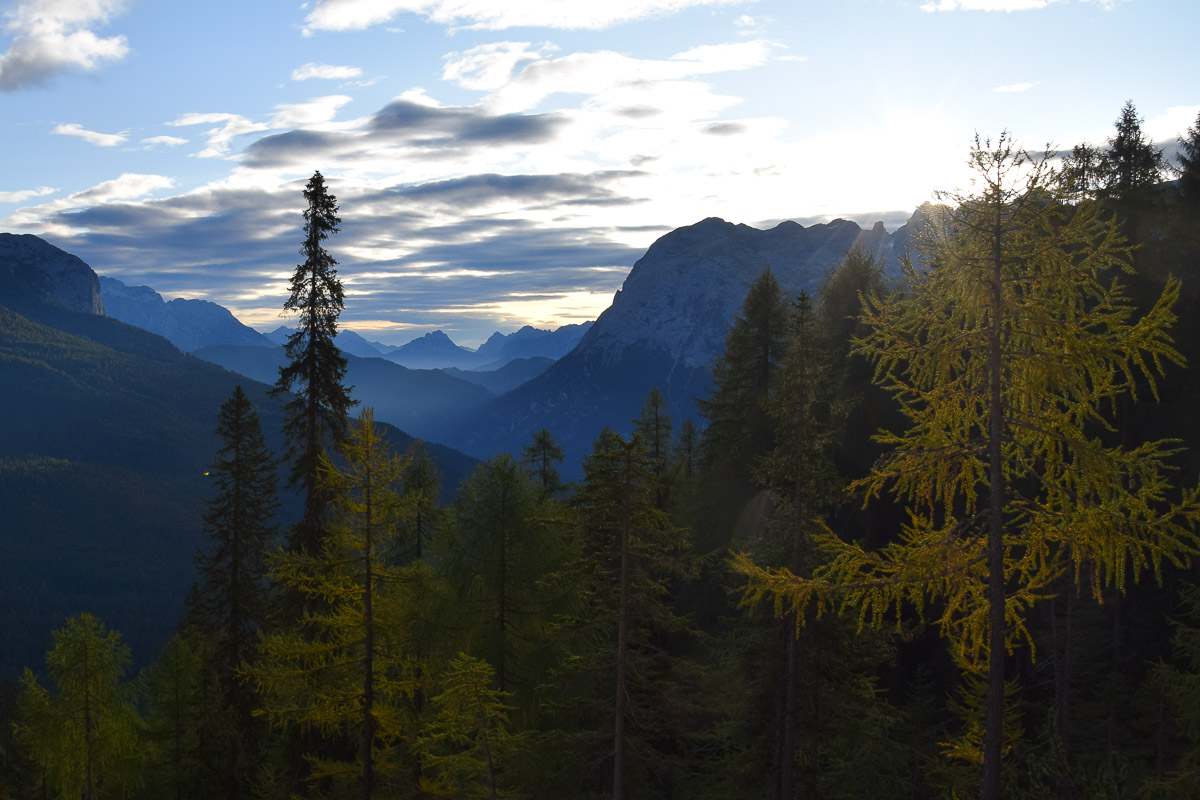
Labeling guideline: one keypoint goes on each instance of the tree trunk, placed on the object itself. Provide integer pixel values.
(993, 735)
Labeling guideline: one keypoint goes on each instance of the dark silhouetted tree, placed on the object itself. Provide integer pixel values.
(316, 413)
(539, 457)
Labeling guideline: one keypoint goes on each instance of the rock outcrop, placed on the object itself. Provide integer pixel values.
(33, 269)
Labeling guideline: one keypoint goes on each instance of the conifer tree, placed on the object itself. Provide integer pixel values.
(540, 456)
(230, 604)
(467, 742)
(655, 429)
(1005, 351)
(316, 413)
(84, 731)
(1131, 165)
(349, 670)
(183, 726)
(501, 554)
(1189, 164)
(421, 484)
(632, 551)
(739, 429)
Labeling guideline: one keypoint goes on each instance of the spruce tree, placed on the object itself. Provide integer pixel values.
(1189, 164)
(316, 413)
(539, 457)
(421, 483)
(1131, 165)
(231, 605)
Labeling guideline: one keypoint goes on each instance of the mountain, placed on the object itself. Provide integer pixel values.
(347, 341)
(665, 328)
(529, 342)
(108, 433)
(33, 269)
(432, 351)
(418, 401)
(187, 324)
(504, 378)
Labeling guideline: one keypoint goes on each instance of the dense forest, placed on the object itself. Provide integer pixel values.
(934, 536)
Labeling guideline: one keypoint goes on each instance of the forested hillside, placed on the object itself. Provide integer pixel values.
(930, 536)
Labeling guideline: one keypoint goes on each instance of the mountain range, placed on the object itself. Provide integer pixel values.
(664, 329)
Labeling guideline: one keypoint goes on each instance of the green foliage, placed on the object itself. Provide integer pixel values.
(348, 668)
(502, 555)
(1005, 352)
(84, 731)
(189, 729)
(467, 742)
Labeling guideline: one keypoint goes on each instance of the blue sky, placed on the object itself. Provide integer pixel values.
(503, 163)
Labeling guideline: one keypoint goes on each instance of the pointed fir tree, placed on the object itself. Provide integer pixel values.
(540, 457)
(315, 415)
(1189, 164)
(421, 484)
(1131, 165)
(84, 732)
(655, 429)
(1005, 352)
(231, 602)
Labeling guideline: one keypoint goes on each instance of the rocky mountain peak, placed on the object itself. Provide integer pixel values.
(34, 268)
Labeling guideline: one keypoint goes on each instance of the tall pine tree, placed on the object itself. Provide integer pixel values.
(316, 369)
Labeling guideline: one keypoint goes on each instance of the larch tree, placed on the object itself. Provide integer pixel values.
(347, 671)
(655, 429)
(1007, 352)
(500, 553)
(84, 731)
(315, 416)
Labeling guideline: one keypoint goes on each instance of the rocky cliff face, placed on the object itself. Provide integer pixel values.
(664, 329)
(31, 268)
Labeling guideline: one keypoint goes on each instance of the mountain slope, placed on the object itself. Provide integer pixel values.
(665, 327)
(419, 401)
(505, 378)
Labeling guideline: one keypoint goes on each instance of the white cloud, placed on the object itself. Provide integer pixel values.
(165, 141)
(596, 72)
(220, 138)
(49, 36)
(1017, 87)
(345, 15)
(986, 5)
(127, 186)
(745, 21)
(1171, 123)
(315, 112)
(327, 72)
(100, 139)
(488, 66)
(25, 194)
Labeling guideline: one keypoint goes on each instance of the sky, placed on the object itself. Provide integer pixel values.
(505, 162)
